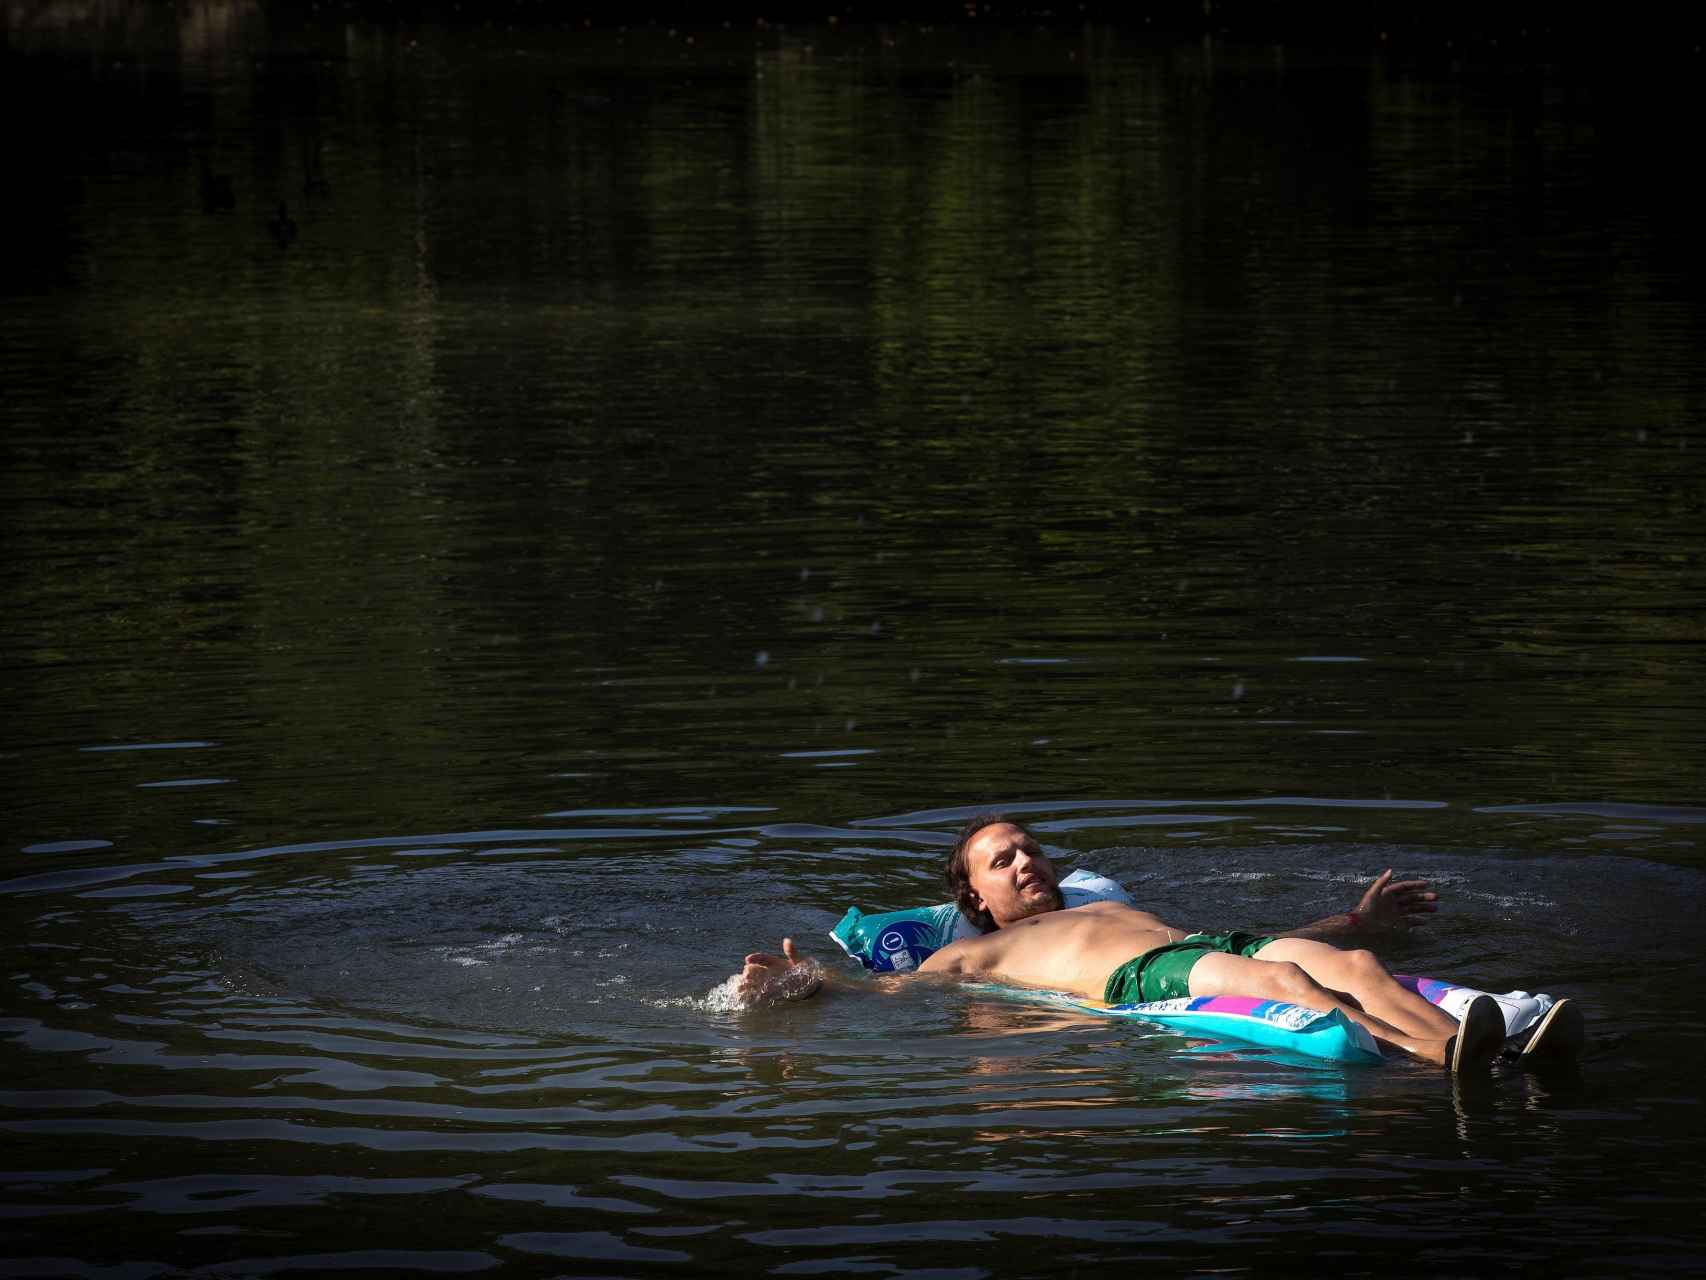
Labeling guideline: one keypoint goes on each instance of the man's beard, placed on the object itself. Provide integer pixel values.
(1041, 907)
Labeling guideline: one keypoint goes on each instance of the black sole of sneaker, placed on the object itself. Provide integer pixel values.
(1480, 1035)
(1558, 1036)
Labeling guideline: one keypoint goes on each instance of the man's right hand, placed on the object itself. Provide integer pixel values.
(767, 978)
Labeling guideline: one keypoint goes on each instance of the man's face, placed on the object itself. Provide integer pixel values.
(1011, 874)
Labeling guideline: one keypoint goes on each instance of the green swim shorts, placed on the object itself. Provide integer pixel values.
(1164, 972)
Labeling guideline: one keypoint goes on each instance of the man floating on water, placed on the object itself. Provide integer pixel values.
(1004, 883)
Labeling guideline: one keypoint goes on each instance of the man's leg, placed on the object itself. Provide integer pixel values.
(1220, 974)
(1361, 976)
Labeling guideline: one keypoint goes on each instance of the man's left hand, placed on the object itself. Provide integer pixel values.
(1393, 905)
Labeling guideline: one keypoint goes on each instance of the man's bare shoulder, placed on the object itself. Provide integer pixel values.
(958, 956)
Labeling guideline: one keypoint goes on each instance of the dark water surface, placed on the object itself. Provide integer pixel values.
(640, 495)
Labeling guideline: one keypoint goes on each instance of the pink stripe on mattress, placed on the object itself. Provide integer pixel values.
(1227, 1004)
(1429, 989)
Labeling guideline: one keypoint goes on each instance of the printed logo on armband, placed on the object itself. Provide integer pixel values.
(901, 946)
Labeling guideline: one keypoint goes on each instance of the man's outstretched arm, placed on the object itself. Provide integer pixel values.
(766, 978)
(1387, 907)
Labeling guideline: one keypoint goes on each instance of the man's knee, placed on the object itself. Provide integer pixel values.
(1365, 965)
(1290, 983)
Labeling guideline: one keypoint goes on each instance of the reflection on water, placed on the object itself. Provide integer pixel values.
(501, 522)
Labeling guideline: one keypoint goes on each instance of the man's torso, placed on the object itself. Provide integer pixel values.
(1072, 950)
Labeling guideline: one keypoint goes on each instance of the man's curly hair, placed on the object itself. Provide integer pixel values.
(959, 875)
